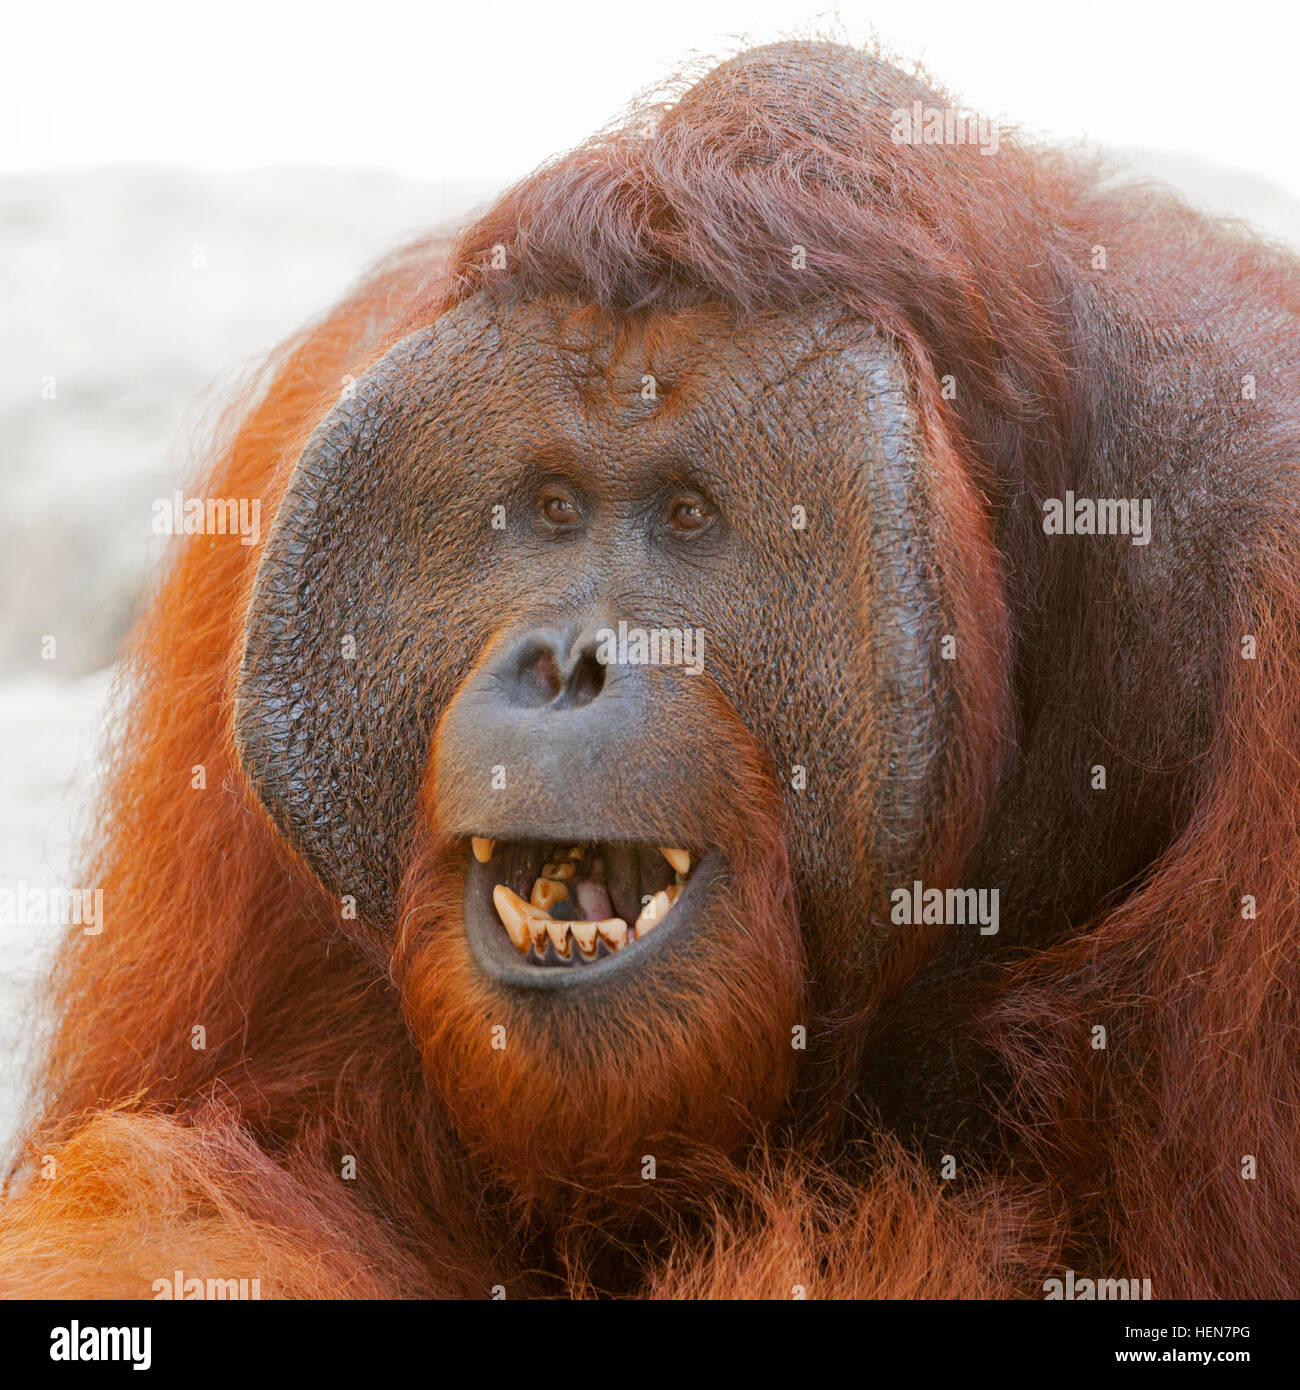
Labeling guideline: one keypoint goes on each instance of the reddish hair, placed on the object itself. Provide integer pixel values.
(977, 268)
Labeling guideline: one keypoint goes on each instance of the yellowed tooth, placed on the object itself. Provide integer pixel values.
(577, 852)
(482, 848)
(561, 869)
(514, 913)
(546, 893)
(653, 913)
(613, 932)
(584, 933)
(678, 858)
(559, 934)
(539, 924)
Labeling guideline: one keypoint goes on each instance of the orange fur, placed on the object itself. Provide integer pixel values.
(227, 1160)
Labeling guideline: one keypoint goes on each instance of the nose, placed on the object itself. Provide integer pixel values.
(544, 740)
(545, 721)
(547, 668)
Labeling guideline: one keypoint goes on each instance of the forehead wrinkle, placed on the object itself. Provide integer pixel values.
(581, 370)
(760, 368)
(541, 367)
(603, 359)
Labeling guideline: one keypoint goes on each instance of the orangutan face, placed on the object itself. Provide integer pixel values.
(638, 670)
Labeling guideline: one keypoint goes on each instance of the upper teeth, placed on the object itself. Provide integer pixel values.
(546, 893)
(531, 926)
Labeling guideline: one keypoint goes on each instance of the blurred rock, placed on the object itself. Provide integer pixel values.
(50, 735)
(133, 301)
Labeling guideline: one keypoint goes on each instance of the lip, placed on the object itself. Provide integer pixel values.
(499, 960)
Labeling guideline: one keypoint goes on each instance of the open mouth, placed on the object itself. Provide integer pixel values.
(565, 905)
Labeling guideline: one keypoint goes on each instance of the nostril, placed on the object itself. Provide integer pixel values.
(538, 672)
(586, 679)
(537, 675)
(548, 673)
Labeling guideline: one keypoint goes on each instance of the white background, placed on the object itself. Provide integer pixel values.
(489, 89)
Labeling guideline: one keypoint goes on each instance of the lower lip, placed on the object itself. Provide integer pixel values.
(499, 960)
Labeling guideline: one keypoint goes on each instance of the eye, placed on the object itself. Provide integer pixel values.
(557, 507)
(689, 515)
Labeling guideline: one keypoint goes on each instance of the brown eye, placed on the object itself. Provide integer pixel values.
(689, 514)
(557, 508)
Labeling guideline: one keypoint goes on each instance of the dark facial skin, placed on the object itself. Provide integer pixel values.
(475, 705)
(670, 512)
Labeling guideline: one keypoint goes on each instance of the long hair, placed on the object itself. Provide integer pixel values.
(780, 180)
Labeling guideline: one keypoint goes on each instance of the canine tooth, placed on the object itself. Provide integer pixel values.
(678, 858)
(613, 932)
(584, 933)
(546, 893)
(514, 914)
(561, 869)
(559, 934)
(653, 913)
(482, 848)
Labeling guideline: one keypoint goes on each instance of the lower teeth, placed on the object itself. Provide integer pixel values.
(531, 928)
